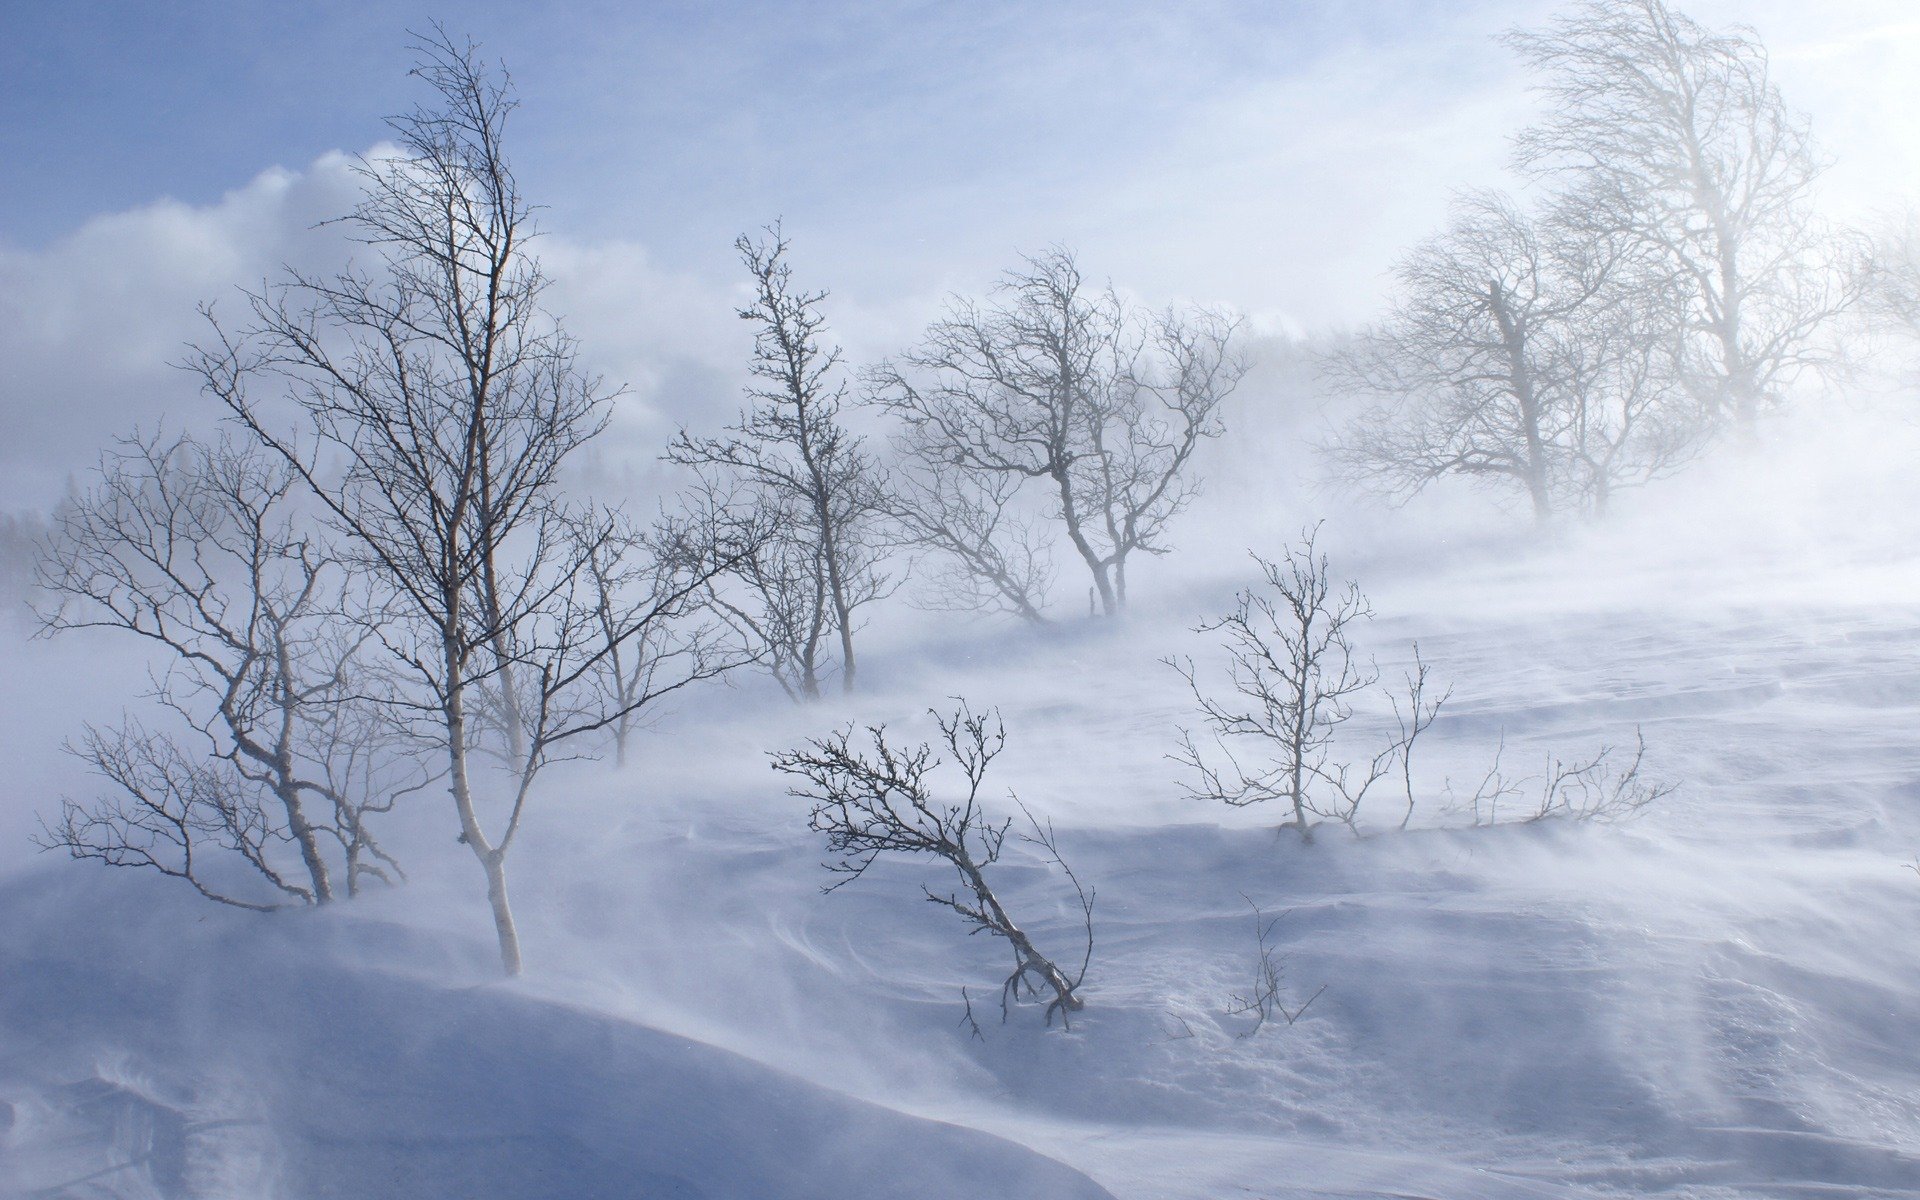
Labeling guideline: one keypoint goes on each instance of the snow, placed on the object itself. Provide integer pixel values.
(1713, 1000)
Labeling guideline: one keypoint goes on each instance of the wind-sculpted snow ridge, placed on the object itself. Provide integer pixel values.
(164, 1057)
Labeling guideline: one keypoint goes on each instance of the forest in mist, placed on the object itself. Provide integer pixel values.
(1410, 692)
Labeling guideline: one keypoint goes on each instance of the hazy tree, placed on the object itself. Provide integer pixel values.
(1462, 363)
(818, 491)
(638, 584)
(975, 549)
(1059, 382)
(440, 404)
(20, 537)
(1537, 352)
(870, 802)
(195, 550)
(1630, 417)
(1891, 279)
(1677, 135)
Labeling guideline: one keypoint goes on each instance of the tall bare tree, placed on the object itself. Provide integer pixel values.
(1678, 135)
(196, 551)
(793, 459)
(435, 405)
(1064, 384)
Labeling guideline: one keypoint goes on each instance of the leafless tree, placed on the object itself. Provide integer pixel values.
(1066, 385)
(435, 405)
(1538, 352)
(1606, 787)
(644, 618)
(195, 550)
(1460, 363)
(1292, 672)
(1413, 718)
(878, 800)
(1293, 676)
(1618, 361)
(21, 535)
(1677, 135)
(792, 458)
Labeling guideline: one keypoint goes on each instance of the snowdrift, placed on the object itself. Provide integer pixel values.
(155, 1049)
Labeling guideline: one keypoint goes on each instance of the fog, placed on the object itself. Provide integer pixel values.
(1693, 977)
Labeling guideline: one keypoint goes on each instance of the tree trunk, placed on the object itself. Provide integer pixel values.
(503, 924)
(492, 860)
(309, 842)
(1520, 380)
(1109, 604)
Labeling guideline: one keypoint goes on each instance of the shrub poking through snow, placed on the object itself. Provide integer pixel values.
(1608, 786)
(878, 798)
(1266, 1000)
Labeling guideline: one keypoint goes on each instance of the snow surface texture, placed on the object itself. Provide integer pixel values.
(1713, 1000)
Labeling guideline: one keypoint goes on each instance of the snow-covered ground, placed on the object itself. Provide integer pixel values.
(1716, 999)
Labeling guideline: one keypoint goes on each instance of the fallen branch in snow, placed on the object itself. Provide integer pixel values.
(869, 802)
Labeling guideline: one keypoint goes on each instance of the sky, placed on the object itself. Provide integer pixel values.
(1273, 157)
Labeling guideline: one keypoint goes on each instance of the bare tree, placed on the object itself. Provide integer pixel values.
(1604, 787)
(1535, 351)
(195, 550)
(1618, 361)
(440, 403)
(1678, 136)
(1061, 383)
(1293, 675)
(792, 458)
(1412, 719)
(878, 801)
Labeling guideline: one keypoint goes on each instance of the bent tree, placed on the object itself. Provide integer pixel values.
(880, 799)
(1677, 134)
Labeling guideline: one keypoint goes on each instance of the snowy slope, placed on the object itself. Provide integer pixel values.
(1713, 1001)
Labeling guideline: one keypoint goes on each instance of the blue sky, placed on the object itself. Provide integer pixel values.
(674, 122)
(1273, 156)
